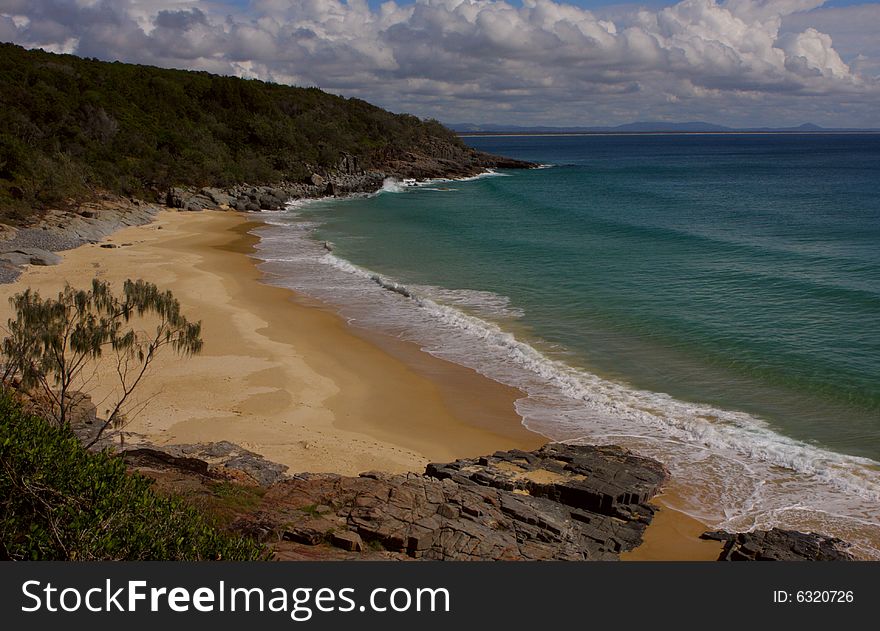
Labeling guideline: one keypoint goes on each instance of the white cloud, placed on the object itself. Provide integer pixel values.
(543, 61)
(853, 30)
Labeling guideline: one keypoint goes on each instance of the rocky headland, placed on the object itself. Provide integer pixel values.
(56, 230)
(560, 502)
(347, 177)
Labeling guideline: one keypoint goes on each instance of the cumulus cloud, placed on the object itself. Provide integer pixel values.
(542, 61)
(853, 30)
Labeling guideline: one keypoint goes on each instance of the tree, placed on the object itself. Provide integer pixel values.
(53, 342)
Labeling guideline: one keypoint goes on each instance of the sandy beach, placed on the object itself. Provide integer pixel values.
(286, 377)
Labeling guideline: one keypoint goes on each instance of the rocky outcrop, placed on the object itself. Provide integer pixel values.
(435, 160)
(349, 165)
(779, 545)
(19, 255)
(444, 160)
(59, 230)
(221, 459)
(558, 503)
(561, 502)
(246, 198)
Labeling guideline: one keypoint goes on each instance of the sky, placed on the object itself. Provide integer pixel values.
(563, 63)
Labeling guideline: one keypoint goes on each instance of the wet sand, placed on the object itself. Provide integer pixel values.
(286, 377)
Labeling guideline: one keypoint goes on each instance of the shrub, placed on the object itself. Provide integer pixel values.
(61, 502)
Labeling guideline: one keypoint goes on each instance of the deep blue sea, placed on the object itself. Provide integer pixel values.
(709, 300)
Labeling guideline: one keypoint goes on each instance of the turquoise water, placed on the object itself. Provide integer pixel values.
(713, 301)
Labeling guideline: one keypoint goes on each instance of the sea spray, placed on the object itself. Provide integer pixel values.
(392, 185)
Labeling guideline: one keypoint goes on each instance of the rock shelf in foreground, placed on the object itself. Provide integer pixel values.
(561, 502)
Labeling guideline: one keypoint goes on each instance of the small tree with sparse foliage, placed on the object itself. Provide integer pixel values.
(53, 343)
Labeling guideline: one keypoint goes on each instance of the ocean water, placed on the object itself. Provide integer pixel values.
(709, 300)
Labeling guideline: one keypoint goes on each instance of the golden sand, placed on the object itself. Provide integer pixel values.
(286, 377)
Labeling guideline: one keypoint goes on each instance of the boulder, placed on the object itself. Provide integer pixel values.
(30, 256)
(198, 203)
(188, 199)
(220, 198)
(176, 197)
(272, 201)
(778, 545)
(347, 540)
(317, 180)
(304, 535)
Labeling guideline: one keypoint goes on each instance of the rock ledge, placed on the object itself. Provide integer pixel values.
(779, 545)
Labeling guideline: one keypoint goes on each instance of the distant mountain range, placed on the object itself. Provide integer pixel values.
(642, 128)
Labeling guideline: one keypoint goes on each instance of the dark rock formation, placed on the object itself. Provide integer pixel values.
(607, 480)
(778, 545)
(349, 165)
(444, 160)
(558, 503)
(220, 460)
(437, 160)
(148, 458)
(561, 502)
(247, 198)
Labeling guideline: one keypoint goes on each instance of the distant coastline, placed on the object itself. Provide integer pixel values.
(645, 128)
(824, 132)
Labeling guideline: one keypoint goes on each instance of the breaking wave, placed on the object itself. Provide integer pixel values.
(738, 473)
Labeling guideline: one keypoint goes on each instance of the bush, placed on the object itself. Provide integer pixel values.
(61, 502)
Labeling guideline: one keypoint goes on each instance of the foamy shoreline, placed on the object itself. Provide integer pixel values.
(287, 378)
(278, 378)
(734, 473)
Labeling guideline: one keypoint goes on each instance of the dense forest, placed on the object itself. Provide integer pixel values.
(70, 126)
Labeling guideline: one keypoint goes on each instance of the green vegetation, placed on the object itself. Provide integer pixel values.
(226, 500)
(69, 126)
(54, 343)
(61, 502)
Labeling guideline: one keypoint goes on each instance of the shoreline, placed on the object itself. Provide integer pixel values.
(292, 381)
(292, 369)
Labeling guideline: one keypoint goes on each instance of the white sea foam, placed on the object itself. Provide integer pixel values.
(486, 304)
(479, 176)
(745, 475)
(392, 185)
